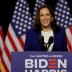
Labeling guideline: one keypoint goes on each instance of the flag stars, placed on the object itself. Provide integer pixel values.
(63, 16)
(39, 1)
(22, 19)
(16, 7)
(68, 9)
(58, 4)
(61, 5)
(24, 2)
(59, 14)
(70, 23)
(65, 26)
(20, 9)
(33, 21)
(26, 17)
(43, 1)
(65, 2)
(33, 16)
(67, 17)
(20, 28)
(25, 25)
(18, 18)
(62, 20)
(65, 7)
(19, 13)
(66, 21)
(57, 23)
(36, 5)
(64, 11)
(21, 24)
(61, 24)
(21, 5)
(27, 13)
(17, 22)
(24, 30)
(19, 32)
(35, 9)
(34, 13)
(56, 13)
(25, 21)
(14, 16)
(30, 18)
(29, 23)
(57, 8)
(17, 3)
(22, 15)
(13, 20)
(29, 27)
(62, 1)
(70, 19)
(15, 11)
(16, 26)
(58, 18)
(67, 13)
(23, 11)
(60, 10)
(27, 8)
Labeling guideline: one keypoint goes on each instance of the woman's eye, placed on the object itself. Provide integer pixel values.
(47, 14)
(41, 15)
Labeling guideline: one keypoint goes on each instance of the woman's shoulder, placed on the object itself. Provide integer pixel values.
(30, 31)
(62, 32)
(62, 29)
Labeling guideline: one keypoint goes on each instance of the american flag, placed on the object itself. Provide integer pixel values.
(20, 23)
(64, 19)
(69, 38)
(1, 48)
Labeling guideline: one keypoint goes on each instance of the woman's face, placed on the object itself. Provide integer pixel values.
(45, 18)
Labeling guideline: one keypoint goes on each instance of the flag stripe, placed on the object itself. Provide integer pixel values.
(23, 37)
(1, 47)
(5, 65)
(69, 38)
(12, 42)
(2, 44)
(70, 28)
(6, 59)
(69, 35)
(0, 53)
(2, 68)
(8, 45)
(21, 42)
(7, 52)
(15, 39)
(69, 46)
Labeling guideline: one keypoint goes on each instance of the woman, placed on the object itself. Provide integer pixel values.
(46, 35)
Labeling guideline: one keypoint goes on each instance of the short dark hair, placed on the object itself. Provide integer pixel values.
(37, 25)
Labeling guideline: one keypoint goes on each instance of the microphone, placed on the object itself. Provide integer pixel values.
(41, 40)
(46, 45)
(50, 41)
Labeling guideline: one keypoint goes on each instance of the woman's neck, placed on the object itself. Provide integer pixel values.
(46, 29)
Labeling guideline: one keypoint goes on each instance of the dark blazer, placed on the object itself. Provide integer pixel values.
(32, 41)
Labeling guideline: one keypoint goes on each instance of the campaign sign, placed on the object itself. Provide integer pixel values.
(41, 62)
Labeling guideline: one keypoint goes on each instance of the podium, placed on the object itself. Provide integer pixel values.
(41, 61)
